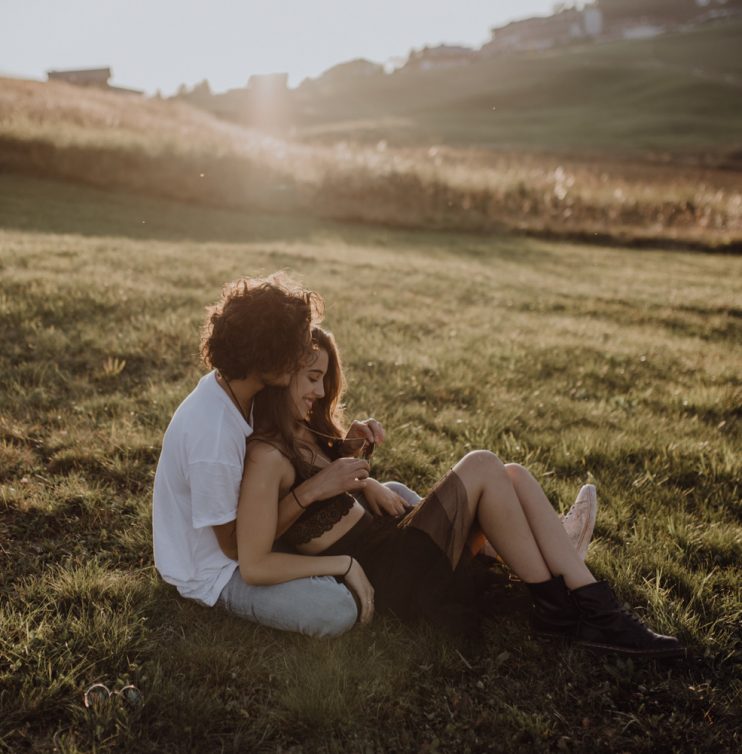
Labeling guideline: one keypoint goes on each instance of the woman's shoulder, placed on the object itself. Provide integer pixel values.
(266, 451)
(269, 461)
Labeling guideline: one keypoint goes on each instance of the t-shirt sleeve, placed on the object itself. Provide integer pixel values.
(215, 490)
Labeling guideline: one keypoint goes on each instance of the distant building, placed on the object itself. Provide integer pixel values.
(442, 56)
(636, 19)
(544, 32)
(96, 77)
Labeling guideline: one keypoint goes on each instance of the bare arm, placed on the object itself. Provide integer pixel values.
(257, 514)
(288, 512)
(343, 475)
(289, 509)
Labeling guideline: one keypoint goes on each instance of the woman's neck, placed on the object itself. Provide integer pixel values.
(309, 441)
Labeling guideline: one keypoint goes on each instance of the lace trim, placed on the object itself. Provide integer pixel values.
(318, 520)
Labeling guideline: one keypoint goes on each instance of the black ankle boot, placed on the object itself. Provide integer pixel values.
(554, 611)
(605, 625)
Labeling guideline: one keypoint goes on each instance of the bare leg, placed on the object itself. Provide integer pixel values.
(498, 510)
(477, 541)
(578, 522)
(547, 528)
(591, 613)
(516, 536)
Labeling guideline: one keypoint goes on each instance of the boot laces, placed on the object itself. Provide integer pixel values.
(634, 617)
(625, 611)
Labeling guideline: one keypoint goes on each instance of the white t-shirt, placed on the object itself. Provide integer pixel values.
(197, 486)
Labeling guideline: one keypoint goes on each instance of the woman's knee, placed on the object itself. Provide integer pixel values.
(517, 473)
(482, 462)
(478, 468)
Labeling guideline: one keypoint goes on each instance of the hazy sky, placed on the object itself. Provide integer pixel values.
(159, 44)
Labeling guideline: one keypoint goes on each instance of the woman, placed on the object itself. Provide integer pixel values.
(414, 564)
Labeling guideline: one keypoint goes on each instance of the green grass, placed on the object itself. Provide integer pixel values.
(584, 363)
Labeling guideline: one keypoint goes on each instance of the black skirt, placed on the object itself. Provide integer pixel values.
(419, 564)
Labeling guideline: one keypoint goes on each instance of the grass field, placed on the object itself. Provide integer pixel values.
(584, 363)
(174, 151)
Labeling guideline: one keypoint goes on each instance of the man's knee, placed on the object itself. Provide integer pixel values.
(409, 496)
(333, 612)
(317, 606)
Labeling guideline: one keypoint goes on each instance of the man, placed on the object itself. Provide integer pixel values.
(257, 335)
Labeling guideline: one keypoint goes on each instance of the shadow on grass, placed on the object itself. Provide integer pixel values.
(43, 205)
(52, 206)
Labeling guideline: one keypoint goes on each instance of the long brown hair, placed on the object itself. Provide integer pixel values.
(276, 423)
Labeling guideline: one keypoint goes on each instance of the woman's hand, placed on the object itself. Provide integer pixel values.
(382, 500)
(342, 475)
(369, 430)
(359, 584)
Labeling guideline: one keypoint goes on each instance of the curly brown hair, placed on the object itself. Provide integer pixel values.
(260, 326)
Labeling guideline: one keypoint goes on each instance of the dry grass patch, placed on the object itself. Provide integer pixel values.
(172, 150)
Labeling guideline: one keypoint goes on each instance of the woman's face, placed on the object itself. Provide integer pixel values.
(307, 386)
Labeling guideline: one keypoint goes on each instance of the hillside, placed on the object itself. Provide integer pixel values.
(171, 150)
(677, 92)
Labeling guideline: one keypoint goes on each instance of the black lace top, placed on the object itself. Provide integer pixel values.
(320, 516)
(318, 519)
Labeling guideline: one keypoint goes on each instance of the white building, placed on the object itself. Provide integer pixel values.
(544, 32)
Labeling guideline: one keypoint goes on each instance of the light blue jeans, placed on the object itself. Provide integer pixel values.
(316, 606)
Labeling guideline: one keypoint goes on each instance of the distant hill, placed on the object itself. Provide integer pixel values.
(676, 92)
(168, 149)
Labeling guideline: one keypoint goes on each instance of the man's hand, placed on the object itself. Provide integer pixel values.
(342, 475)
(382, 500)
(369, 430)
